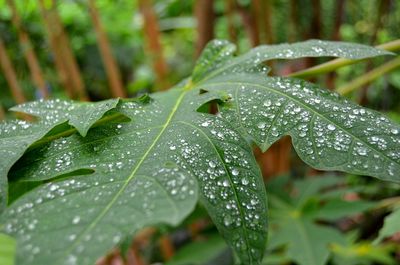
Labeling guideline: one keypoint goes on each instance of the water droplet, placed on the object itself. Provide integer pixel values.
(212, 164)
(362, 151)
(245, 181)
(228, 220)
(235, 172)
(331, 127)
(76, 220)
(267, 103)
(225, 183)
(261, 125)
(205, 124)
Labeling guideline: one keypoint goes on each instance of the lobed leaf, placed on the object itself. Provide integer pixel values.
(328, 131)
(111, 181)
(142, 176)
(308, 243)
(81, 115)
(17, 136)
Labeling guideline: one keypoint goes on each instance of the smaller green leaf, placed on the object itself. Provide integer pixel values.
(391, 226)
(199, 253)
(307, 243)
(336, 209)
(311, 186)
(7, 250)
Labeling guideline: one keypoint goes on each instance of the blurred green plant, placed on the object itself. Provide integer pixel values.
(304, 216)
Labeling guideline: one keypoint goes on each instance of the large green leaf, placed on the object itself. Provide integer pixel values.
(121, 177)
(143, 173)
(328, 132)
(17, 136)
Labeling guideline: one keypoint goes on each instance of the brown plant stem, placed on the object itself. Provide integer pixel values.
(112, 71)
(230, 7)
(28, 51)
(62, 49)
(2, 113)
(167, 248)
(250, 25)
(204, 12)
(153, 43)
(10, 75)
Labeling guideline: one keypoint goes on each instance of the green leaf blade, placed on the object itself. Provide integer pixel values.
(317, 48)
(252, 61)
(308, 243)
(17, 136)
(328, 132)
(81, 115)
(168, 132)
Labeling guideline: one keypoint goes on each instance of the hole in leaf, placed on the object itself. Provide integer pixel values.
(202, 91)
(211, 107)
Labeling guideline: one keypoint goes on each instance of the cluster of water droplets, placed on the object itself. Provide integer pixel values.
(130, 179)
(328, 131)
(314, 48)
(229, 181)
(252, 61)
(213, 57)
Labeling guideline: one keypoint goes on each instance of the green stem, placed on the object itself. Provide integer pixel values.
(369, 76)
(340, 62)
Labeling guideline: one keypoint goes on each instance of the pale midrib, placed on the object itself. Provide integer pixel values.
(303, 233)
(117, 195)
(309, 109)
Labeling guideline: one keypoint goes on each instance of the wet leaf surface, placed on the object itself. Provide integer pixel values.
(17, 136)
(153, 168)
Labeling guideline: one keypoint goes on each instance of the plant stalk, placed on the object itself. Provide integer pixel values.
(369, 76)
